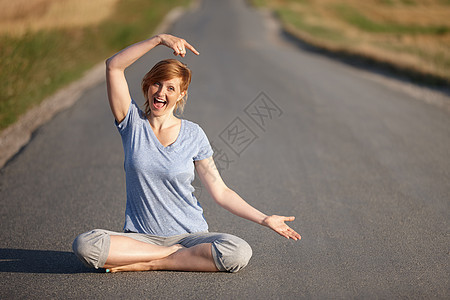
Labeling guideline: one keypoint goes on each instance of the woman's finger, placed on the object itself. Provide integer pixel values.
(283, 234)
(289, 233)
(181, 51)
(292, 234)
(190, 47)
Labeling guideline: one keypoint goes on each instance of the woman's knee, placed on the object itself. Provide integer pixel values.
(92, 247)
(232, 253)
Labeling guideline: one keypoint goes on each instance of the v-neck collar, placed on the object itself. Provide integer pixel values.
(158, 143)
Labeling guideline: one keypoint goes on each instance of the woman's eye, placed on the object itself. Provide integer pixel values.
(171, 88)
(156, 84)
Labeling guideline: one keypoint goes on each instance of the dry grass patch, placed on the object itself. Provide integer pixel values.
(19, 16)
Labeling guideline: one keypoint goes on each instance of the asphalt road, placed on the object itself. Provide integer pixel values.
(364, 167)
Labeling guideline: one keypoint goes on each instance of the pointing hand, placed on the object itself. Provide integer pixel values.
(178, 45)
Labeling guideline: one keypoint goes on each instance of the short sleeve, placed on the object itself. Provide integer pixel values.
(132, 115)
(204, 147)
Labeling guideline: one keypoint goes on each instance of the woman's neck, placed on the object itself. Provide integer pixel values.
(162, 122)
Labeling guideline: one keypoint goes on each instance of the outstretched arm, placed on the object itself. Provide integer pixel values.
(118, 94)
(231, 201)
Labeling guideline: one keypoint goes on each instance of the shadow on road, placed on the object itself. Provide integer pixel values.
(41, 261)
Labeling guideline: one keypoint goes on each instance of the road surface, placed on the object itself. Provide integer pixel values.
(363, 166)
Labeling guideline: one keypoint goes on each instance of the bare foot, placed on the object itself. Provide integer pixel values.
(138, 267)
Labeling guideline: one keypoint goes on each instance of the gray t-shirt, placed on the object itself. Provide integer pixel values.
(160, 199)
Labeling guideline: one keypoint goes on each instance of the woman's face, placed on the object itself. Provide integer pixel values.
(163, 96)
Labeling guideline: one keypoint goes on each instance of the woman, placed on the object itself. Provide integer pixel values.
(164, 227)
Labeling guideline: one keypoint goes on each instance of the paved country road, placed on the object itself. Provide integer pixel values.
(363, 166)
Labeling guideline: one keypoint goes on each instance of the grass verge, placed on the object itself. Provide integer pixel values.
(36, 64)
(410, 37)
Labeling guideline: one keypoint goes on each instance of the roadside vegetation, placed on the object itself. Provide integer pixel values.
(409, 35)
(45, 44)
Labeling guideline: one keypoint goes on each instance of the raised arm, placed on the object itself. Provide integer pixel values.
(231, 201)
(118, 93)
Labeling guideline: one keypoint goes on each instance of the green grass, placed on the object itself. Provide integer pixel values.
(259, 3)
(400, 2)
(297, 20)
(37, 64)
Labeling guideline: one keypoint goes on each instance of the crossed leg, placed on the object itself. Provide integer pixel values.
(127, 254)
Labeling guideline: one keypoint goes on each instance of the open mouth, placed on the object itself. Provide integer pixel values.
(158, 103)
